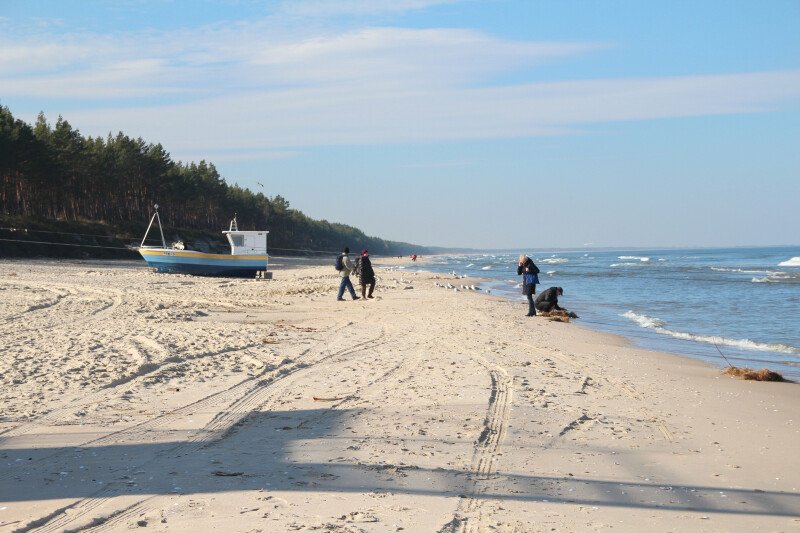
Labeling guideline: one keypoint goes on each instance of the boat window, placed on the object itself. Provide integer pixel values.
(238, 240)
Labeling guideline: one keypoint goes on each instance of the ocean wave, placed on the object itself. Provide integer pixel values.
(644, 320)
(657, 325)
(724, 269)
(778, 277)
(470, 265)
(487, 267)
(551, 272)
(624, 264)
(793, 262)
(638, 257)
(554, 260)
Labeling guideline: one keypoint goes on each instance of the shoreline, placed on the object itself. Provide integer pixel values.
(133, 399)
(676, 344)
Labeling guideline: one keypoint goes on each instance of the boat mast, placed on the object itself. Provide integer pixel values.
(160, 229)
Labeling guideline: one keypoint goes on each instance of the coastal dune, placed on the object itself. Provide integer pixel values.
(132, 399)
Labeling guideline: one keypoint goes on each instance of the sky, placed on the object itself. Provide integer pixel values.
(483, 124)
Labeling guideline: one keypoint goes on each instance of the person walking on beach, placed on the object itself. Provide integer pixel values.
(548, 300)
(366, 276)
(530, 278)
(346, 269)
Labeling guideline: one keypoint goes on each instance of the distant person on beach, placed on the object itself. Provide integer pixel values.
(530, 278)
(345, 271)
(366, 276)
(548, 300)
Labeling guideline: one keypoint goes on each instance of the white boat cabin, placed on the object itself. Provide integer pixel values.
(246, 242)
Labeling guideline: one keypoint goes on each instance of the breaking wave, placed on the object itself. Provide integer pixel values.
(778, 277)
(554, 260)
(793, 262)
(724, 269)
(657, 325)
(637, 257)
(644, 320)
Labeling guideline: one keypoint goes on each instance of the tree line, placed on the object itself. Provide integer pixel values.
(52, 172)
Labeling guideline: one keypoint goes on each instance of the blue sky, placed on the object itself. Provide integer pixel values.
(487, 124)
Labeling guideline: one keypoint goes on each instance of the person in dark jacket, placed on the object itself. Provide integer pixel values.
(366, 276)
(530, 278)
(548, 300)
(347, 269)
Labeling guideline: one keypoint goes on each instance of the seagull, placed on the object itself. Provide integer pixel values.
(261, 184)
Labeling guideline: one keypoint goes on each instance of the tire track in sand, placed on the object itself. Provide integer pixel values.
(121, 519)
(237, 403)
(468, 516)
(141, 349)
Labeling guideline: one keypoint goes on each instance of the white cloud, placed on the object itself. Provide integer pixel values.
(227, 59)
(428, 55)
(354, 114)
(262, 89)
(40, 56)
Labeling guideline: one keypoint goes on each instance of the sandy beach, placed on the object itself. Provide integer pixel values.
(136, 400)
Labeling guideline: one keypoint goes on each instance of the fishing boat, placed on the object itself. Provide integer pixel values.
(248, 257)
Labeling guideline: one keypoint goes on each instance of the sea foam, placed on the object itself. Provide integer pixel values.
(724, 269)
(657, 325)
(779, 277)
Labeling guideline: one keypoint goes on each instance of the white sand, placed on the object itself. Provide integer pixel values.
(137, 400)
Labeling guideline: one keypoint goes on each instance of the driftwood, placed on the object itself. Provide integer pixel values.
(754, 375)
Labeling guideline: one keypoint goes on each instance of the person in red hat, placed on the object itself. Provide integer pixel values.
(366, 276)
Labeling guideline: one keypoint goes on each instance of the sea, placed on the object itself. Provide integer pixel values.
(738, 306)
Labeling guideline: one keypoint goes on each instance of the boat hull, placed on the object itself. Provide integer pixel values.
(202, 264)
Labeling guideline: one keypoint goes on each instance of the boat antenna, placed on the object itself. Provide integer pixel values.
(234, 225)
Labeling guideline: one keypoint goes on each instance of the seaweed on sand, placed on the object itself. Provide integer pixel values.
(750, 374)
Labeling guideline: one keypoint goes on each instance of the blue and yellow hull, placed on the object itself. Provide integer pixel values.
(202, 264)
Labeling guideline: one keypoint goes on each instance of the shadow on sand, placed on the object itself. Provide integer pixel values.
(257, 454)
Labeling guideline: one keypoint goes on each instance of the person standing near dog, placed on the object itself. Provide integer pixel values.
(530, 278)
(345, 268)
(366, 276)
